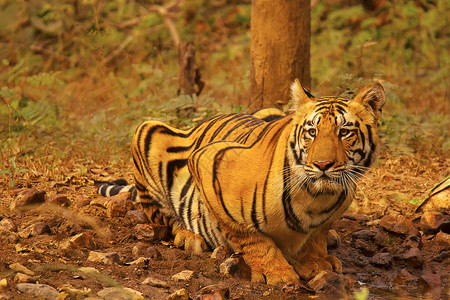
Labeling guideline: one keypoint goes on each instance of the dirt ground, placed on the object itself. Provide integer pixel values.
(387, 249)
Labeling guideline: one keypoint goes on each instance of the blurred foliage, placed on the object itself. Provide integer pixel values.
(77, 76)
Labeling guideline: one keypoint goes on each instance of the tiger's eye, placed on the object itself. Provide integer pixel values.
(312, 132)
(344, 132)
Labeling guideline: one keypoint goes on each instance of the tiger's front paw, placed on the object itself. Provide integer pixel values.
(275, 277)
(311, 265)
(192, 242)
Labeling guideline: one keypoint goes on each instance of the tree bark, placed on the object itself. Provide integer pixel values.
(279, 50)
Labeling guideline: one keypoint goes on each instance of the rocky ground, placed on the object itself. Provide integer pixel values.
(59, 240)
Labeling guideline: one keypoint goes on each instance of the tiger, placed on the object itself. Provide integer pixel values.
(267, 185)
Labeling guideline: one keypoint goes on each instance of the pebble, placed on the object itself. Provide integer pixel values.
(8, 225)
(220, 253)
(363, 234)
(433, 221)
(156, 283)
(35, 229)
(185, 275)
(106, 258)
(443, 238)
(22, 269)
(398, 224)
(27, 199)
(367, 248)
(60, 200)
(412, 241)
(403, 276)
(236, 267)
(4, 284)
(356, 217)
(144, 231)
(333, 239)
(179, 295)
(39, 290)
(413, 257)
(134, 217)
(118, 293)
(383, 260)
(330, 283)
(145, 250)
(22, 278)
(430, 280)
(83, 240)
(214, 292)
(74, 292)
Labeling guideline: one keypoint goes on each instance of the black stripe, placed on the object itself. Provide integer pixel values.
(372, 147)
(253, 213)
(292, 220)
(178, 149)
(172, 166)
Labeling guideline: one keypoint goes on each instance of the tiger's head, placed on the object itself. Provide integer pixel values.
(334, 140)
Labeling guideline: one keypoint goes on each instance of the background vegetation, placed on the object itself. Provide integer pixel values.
(78, 76)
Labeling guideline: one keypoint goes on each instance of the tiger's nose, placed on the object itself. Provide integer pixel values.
(323, 165)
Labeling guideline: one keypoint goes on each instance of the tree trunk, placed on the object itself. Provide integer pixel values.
(280, 50)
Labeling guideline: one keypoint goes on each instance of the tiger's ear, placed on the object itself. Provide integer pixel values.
(299, 97)
(372, 96)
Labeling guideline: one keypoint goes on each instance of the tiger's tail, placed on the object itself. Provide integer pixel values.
(109, 189)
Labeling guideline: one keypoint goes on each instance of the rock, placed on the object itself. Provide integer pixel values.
(412, 241)
(363, 234)
(35, 229)
(367, 248)
(118, 293)
(74, 292)
(106, 258)
(403, 276)
(75, 229)
(185, 275)
(144, 231)
(38, 290)
(179, 295)
(441, 256)
(433, 221)
(28, 199)
(383, 260)
(330, 283)
(214, 292)
(60, 200)
(145, 250)
(8, 225)
(156, 283)
(443, 238)
(236, 267)
(290, 288)
(382, 238)
(118, 205)
(399, 225)
(413, 257)
(22, 278)
(356, 217)
(22, 269)
(134, 217)
(4, 284)
(83, 202)
(220, 253)
(83, 240)
(333, 239)
(430, 280)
